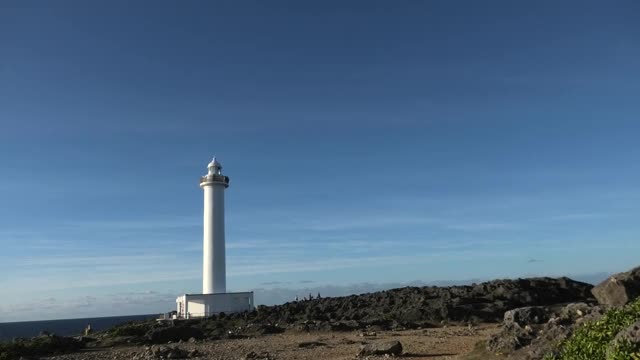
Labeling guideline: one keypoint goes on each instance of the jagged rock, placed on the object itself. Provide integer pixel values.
(173, 334)
(519, 328)
(409, 307)
(345, 325)
(385, 348)
(263, 329)
(575, 311)
(413, 307)
(532, 334)
(527, 315)
(618, 289)
(512, 337)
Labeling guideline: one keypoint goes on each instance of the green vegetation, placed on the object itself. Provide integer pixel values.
(591, 341)
(38, 346)
(132, 328)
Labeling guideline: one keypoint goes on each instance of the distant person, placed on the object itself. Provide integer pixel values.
(318, 295)
(87, 330)
(310, 296)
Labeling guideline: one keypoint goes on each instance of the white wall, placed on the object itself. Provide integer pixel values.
(198, 305)
(214, 260)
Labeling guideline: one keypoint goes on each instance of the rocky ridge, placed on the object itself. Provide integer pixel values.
(536, 332)
(397, 309)
(404, 308)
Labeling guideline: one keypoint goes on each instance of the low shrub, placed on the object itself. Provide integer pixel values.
(38, 346)
(131, 329)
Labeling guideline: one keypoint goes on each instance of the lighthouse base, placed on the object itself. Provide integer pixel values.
(204, 305)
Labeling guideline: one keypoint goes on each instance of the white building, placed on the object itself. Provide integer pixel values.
(214, 298)
(202, 305)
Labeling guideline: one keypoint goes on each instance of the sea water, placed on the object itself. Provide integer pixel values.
(64, 327)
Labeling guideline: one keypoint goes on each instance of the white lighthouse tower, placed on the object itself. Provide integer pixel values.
(214, 274)
(214, 298)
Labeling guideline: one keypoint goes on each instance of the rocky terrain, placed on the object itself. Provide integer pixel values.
(578, 330)
(518, 319)
(438, 343)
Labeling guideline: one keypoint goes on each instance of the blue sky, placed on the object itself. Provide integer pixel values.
(367, 142)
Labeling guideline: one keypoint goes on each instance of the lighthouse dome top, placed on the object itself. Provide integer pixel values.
(215, 168)
(214, 163)
(214, 175)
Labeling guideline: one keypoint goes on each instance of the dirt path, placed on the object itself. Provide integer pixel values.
(442, 344)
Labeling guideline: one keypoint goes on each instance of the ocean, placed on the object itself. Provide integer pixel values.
(63, 327)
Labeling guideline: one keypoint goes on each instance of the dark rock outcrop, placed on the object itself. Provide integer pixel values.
(413, 307)
(397, 309)
(527, 315)
(164, 335)
(46, 344)
(532, 332)
(618, 289)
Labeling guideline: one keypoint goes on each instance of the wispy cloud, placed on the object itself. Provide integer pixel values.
(135, 224)
(270, 283)
(482, 226)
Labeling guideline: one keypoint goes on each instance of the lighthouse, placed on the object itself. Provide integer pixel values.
(214, 298)
(214, 274)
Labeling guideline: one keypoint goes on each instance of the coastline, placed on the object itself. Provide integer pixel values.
(63, 327)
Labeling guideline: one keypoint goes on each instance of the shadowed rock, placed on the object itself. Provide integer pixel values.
(533, 332)
(173, 334)
(413, 307)
(309, 344)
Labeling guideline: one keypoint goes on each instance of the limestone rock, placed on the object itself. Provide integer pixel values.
(385, 348)
(618, 289)
(527, 315)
